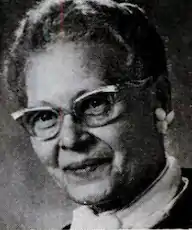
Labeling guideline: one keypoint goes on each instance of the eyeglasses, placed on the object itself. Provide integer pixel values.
(92, 109)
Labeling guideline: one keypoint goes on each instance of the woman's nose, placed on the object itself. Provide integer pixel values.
(72, 135)
(69, 133)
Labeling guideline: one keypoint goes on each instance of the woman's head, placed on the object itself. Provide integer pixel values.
(124, 27)
(91, 74)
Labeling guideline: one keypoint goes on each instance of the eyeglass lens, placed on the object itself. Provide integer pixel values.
(95, 110)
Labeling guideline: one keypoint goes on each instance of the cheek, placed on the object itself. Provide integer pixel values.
(115, 134)
(45, 150)
(118, 137)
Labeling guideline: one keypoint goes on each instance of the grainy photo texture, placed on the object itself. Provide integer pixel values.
(88, 139)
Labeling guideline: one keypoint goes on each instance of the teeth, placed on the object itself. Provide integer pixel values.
(84, 170)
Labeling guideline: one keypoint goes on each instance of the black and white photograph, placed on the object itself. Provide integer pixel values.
(95, 114)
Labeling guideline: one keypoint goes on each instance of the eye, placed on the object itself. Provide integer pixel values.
(96, 105)
(42, 120)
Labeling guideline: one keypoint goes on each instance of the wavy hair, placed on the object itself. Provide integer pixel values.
(123, 25)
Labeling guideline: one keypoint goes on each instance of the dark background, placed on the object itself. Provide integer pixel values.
(28, 196)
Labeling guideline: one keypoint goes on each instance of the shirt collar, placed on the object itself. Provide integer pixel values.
(147, 210)
(156, 201)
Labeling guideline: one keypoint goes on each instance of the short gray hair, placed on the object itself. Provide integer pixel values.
(123, 24)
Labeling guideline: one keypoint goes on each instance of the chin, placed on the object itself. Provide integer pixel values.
(90, 193)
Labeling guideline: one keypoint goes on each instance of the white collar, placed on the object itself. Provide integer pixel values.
(149, 208)
(155, 203)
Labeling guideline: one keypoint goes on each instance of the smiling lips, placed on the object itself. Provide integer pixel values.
(83, 169)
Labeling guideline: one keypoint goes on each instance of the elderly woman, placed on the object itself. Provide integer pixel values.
(92, 84)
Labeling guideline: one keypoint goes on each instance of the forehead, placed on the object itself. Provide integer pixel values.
(63, 70)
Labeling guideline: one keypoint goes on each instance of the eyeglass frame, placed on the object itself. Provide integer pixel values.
(105, 89)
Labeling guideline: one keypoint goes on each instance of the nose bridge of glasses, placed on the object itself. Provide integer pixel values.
(67, 114)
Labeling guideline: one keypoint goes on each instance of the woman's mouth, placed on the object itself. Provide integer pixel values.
(88, 169)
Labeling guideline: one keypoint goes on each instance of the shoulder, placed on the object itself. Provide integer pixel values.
(181, 215)
(187, 172)
(66, 227)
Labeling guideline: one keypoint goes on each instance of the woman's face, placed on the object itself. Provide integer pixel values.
(92, 163)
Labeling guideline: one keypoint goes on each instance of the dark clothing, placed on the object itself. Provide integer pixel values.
(180, 216)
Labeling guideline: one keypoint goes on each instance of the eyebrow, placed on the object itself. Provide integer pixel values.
(80, 93)
(53, 105)
(105, 89)
(42, 104)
